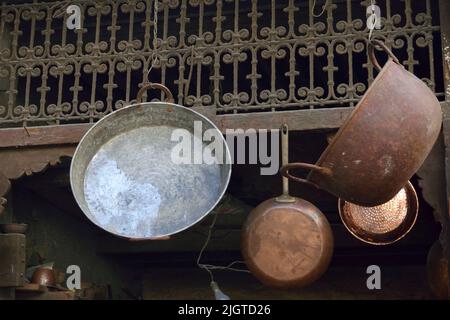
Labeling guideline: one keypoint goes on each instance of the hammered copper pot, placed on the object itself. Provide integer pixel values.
(384, 224)
(287, 241)
(383, 142)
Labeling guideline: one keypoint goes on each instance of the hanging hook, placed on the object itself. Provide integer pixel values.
(323, 9)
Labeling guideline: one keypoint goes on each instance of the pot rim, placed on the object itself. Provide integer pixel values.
(201, 117)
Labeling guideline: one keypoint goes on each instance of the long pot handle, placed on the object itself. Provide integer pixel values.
(378, 43)
(150, 85)
(300, 165)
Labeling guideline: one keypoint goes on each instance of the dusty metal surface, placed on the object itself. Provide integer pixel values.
(125, 180)
(244, 55)
(382, 144)
(383, 224)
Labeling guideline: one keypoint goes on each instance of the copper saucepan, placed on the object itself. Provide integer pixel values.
(287, 241)
(384, 141)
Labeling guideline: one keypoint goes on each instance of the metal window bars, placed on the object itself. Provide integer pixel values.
(229, 55)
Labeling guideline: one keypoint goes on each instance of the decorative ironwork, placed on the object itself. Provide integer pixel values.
(233, 56)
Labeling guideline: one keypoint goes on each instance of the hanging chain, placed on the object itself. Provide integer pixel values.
(154, 56)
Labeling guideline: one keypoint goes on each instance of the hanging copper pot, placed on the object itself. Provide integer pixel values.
(287, 241)
(384, 141)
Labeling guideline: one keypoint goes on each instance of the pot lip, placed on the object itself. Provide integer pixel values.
(106, 118)
(353, 115)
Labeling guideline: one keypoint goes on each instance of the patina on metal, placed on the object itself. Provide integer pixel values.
(383, 224)
(287, 241)
(383, 142)
(126, 181)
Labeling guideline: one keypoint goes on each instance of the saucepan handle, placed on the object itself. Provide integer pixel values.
(373, 44)
(300, 165)
(150, 85)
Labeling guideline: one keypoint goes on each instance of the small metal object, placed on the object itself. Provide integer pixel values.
(124, 178)
(287, 241)
(383, 224)
(384, 141)
(44, 277)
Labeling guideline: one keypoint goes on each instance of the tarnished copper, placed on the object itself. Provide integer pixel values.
(383, 224)
(287, 241)
(384, 141)
(44, 277)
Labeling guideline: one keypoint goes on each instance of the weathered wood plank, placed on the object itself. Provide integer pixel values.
(44, 135)
(299, 120)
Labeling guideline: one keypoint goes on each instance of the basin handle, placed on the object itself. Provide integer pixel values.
(375, 43)
(151, 85)
(300, 165)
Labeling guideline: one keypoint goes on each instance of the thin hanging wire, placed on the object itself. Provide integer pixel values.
(209, 267)
(154, 56)
(61, 8)
(313, 9)
(189, 79)
(372, 3)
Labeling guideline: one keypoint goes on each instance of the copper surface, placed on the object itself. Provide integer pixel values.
(287, 244)
(287, 241)
(382, 144)
(44, 277)
(383, 224)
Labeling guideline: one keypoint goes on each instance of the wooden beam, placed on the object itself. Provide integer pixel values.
(299, 120)
(44, 135)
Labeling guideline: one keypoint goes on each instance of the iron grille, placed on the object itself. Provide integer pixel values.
(229, 55)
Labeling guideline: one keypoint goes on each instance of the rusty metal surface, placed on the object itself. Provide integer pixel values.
(383, 142)
(12, 262)
(242, 55)
(125, 181)
(383, 224)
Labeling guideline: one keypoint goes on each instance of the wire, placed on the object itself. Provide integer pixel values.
(209, 267)
(154, 57)
(323, 9)
(61, 7)
(372, 3)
